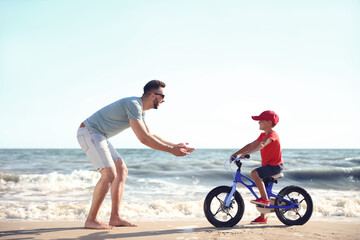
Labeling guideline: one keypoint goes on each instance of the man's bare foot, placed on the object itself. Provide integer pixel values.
(97, 225)
(119, 222)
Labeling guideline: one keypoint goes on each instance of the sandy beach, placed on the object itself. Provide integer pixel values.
(182, 230)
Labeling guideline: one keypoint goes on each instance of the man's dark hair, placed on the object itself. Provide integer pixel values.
(153, 85)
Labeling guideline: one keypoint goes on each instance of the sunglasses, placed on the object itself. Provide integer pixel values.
(159, 94)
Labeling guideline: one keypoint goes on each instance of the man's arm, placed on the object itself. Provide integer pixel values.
(159, 138)
(145, 137)
(181, 145)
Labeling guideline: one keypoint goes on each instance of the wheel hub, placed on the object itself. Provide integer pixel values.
(297, 202)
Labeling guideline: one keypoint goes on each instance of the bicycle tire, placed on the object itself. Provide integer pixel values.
(294, 216)
(236, 207)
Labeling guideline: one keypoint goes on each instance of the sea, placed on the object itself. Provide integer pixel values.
(57, 184)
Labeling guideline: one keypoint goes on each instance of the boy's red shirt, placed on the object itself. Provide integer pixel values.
(271, 153)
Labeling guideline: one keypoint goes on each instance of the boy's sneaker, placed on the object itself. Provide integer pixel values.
(259, 220)
(261, 201)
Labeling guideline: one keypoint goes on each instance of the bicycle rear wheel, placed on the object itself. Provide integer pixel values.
(216, 212)
(296, 216)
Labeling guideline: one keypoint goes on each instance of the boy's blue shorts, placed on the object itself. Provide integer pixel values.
(268, 170)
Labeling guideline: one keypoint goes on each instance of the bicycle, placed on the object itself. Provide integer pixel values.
(224, 205)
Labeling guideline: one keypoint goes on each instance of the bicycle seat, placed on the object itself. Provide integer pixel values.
(280, 175)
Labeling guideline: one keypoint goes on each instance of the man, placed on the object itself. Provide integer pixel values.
(93, 137)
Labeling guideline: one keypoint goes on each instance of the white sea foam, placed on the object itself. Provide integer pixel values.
(52, 186)
(352, 158)
(326, 204)
(336, 203)
(57, 196)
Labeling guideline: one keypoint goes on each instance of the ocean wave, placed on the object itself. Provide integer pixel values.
(326, 204)
(59, 196)
(324, 173)
(52, 186)
(352, 158)
(9, 177)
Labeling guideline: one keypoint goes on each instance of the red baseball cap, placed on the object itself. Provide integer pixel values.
(267, 115)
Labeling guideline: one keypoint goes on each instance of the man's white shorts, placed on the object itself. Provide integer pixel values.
(98, 149)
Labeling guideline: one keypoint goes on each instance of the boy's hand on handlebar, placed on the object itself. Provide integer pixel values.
(243, 156)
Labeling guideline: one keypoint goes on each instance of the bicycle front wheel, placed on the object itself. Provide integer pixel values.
(295, 216)
(216, 212)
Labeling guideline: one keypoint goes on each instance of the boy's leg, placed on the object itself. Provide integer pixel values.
(260, 184)
(258, 175)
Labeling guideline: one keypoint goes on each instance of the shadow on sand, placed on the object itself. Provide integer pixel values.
(111, 234)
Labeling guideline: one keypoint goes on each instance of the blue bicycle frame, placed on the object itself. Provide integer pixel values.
(239, 179)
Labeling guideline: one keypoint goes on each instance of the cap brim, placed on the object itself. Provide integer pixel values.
(256, 118)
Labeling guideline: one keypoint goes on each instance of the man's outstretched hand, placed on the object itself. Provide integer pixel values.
(185, 147)
(182, 149)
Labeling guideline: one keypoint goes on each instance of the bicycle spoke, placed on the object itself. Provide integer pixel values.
(220, 201)
(219, 210)
(230, 215)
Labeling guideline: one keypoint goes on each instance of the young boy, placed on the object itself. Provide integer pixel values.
(269, 145)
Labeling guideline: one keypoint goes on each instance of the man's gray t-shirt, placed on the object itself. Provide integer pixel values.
(114, 118)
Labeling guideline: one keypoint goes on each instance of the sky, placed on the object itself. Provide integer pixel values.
(222, 62)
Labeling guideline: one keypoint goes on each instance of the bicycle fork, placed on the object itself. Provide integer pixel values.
(228, 197)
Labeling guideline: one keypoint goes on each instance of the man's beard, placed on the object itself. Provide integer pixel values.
(156, 103)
